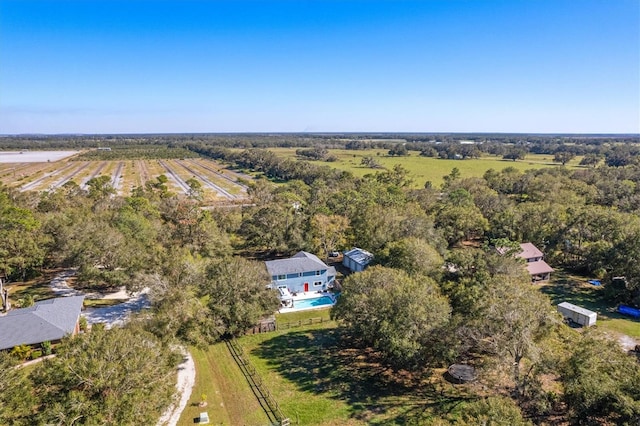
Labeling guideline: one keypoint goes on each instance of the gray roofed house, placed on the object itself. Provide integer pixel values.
(299, 263)
(304, 272)
(47, 320)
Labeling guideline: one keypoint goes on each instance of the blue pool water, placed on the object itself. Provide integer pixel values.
(312, 303)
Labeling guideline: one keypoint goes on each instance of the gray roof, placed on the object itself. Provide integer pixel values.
(360, 256)
(300, 262)
(46, 320)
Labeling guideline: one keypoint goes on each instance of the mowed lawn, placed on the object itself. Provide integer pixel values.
(230, 400)
(574, 289)
(423, 169)
(318, 380)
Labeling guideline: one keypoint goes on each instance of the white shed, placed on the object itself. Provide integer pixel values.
(577, 314)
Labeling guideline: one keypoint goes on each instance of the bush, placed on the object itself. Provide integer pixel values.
(35, 354)
(46, 347)
(21, 352)
(83, 324)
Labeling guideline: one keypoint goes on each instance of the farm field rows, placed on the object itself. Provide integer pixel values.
(218, 183)
(423, 169)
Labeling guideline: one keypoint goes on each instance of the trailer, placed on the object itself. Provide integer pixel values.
(577, 314)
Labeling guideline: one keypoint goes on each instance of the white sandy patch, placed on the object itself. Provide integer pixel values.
(184, 386)
(627, 342)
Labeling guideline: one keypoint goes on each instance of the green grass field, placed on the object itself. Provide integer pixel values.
(316, 380)
(422, 169)
(575, 289)
(230, 400)
(319, 381)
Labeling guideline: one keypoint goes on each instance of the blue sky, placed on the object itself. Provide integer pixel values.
(140, 66)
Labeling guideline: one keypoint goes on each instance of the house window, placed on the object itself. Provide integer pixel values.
(317, 284)
(318, 273)
(282, 277)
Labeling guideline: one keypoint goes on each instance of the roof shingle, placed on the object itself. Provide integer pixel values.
(46, 320)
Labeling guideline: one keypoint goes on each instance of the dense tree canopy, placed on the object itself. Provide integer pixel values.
(110, 377)
(441, 295)
(392, 312)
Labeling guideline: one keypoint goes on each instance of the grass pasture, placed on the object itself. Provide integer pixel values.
(422, 169)
(317, 380)
(230, 400)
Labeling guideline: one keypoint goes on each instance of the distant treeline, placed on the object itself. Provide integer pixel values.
(270, 164)
(414, 141)
(136, 152)
(615, 150)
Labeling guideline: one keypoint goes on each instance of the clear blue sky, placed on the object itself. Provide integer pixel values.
(290, 66)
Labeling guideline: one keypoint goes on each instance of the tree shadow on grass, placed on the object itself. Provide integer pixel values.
(320, 362)
(565, 288)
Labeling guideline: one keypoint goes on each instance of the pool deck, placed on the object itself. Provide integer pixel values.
(309, 295)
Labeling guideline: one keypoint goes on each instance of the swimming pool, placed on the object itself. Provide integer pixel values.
(316, 302)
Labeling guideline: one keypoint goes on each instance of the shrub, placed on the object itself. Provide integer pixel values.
(46, 347)
(83, 324)
(21, 352)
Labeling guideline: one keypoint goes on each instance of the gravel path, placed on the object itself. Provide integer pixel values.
(117, 314)
(184, 386)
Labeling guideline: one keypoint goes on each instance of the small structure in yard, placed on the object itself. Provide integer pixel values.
(461, 373)
(204, 418)
(357, 259)
(265, 325)
(46, 321)
(577, 314)
(302, 273)
(538, 269)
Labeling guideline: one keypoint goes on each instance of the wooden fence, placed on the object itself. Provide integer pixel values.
(266, 400)
(271, 326)
(300, 323)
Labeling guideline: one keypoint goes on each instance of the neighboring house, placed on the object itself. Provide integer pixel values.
(537, 268)
(356, 259)
(48, 320)
(301, 273)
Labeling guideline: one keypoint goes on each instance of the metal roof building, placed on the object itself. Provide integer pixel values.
(356, 259)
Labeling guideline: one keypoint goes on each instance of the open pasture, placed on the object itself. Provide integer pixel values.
(423, 169)
(317, 379)
(218, 183)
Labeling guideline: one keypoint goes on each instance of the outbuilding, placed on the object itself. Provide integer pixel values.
(577, 314)
(357, 259)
